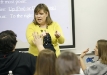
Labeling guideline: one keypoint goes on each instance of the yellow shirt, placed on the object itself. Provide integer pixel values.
(51, 30)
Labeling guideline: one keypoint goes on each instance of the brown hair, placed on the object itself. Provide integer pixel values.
(102, 50)
(46, 10)
(67, 63)
(46, 63)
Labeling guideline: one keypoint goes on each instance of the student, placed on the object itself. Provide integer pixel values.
(67, 63)
(19, 63)
(44, 26)
(45, 63)
(62, 61)
(100, 66)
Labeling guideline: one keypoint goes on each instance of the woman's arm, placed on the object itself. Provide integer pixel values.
(59, 34)
(82, 63)
(29, 32)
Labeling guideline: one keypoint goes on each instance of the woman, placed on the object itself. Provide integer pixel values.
(67, 63)
(45, 64)
(44, 26)
(99, 67)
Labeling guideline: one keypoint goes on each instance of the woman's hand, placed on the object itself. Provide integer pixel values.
(84, 53)
(57, 34)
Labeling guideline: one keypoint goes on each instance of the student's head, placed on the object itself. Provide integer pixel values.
(67, 63)
(101, 50)
(42, 15)
(7, 41)
(45, 64)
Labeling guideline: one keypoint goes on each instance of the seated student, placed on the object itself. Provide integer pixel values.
(46, 63)
(99, 67)
(19, 63)
(38, 41)
(67, 63)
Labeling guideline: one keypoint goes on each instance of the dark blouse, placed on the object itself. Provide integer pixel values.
(47, 43)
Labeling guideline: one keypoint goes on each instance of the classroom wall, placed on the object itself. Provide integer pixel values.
(90, 23)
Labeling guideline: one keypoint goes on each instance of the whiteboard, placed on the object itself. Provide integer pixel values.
(17, 14)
